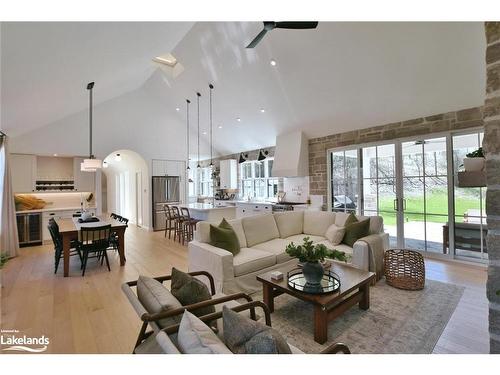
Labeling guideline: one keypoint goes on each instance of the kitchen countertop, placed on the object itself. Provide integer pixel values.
(52, 209)
(204, 206)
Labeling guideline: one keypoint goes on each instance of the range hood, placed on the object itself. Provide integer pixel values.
(291, 157)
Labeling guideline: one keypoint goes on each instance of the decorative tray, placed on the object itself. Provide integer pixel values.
(329, 284)
(91, 220)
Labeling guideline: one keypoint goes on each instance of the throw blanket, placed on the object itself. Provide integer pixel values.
(376, 244)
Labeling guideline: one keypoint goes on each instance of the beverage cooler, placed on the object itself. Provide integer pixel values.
(29, 228)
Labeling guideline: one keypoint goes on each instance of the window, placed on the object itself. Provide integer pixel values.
(256, 180)
(205, 182)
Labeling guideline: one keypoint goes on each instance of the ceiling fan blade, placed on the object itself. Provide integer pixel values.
(257, 39)
(296, 25)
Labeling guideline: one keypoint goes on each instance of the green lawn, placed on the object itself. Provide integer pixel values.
(437, 203)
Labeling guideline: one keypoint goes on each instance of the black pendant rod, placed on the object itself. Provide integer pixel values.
(187, 122)
(198, 100)
(211, 126)
(90, 86)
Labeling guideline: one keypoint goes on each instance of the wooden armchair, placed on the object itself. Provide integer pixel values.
(152, 320)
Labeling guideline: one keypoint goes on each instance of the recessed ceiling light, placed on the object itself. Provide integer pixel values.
(166, 59)
(262, 110)
(204, 133)
(55, 154)
(273, 62)
(177, 109)
(220, 126)
(238, 119)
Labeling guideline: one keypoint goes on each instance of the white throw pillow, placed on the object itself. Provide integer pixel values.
(195, 337)
(335, 234)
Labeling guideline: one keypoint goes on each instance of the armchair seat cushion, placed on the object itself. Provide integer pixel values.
(276, 247)
(250, 260)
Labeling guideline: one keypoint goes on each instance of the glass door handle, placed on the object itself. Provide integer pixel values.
(404, 204)
(396, 205)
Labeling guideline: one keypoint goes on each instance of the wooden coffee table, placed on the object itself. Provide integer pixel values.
(354, 289)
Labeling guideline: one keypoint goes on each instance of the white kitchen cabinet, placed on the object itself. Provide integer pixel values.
(228, 174)
(250, 209)
(84, 181)
(23, 169)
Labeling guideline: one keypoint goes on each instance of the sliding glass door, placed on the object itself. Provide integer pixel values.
(424, 200)
(410, 183)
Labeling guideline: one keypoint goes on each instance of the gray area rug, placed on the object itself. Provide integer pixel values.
(398, 321)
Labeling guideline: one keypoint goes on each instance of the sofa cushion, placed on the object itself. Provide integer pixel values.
(376, 223)
(355, 231)
(165, 343)
(340, 218)
(335, 234)
(317, 222)
(299, 238)
(189, 290)
(340, 247)
(156, 298)
(195, 337)
(276, 247)
(224, 237)
(245, 336)
(238, 229)
(289, 223)
(260, 228)
(251, 260)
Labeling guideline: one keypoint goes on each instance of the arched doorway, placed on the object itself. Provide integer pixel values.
(125, 189)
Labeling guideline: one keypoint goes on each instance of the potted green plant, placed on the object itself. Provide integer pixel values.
(311, 256)
(474, 161)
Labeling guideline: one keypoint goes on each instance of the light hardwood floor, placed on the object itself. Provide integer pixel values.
(92, 315)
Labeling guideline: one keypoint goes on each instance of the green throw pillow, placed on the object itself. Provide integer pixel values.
(351, 219)
(355, 231)
(189, 290)
(224, 237)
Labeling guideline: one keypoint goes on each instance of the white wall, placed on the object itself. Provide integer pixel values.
(139, 121)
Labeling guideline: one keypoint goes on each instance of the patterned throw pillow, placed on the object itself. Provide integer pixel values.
(335, 234)
(189, 290)
(224, 237)
(245, 336)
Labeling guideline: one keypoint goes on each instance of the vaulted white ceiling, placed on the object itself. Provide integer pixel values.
(46, 65)
(339, 77)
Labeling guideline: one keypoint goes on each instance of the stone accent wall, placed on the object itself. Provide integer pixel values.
(463, 119)
(491, 144)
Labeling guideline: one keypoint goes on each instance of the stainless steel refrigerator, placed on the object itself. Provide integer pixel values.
(165, 191)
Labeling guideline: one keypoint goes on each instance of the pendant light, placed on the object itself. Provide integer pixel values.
(262, 155)
(188, 102)
(198, 103)
(243, 158)
(211, 127)
(91, 164)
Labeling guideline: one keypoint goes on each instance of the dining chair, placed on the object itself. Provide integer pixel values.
(188, 224)
(58, 248)
(94, 241)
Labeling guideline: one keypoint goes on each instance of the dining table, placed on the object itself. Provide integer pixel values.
(69, 228)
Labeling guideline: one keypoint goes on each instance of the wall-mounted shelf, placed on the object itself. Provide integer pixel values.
(471, 179)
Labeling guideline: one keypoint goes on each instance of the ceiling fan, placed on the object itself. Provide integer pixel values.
(270, 25)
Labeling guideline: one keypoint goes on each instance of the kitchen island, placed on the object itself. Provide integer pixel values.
(207, 212)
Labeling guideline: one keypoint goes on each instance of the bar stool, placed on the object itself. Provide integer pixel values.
(178, 223)
(188, 224)
(170, 218)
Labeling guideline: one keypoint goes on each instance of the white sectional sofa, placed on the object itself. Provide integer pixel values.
(263, 240)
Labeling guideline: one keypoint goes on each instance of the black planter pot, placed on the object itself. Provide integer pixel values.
(313, 272)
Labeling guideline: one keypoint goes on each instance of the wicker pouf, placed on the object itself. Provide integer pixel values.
(404, 269)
